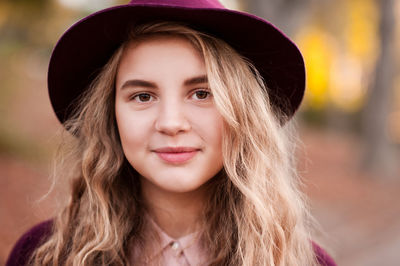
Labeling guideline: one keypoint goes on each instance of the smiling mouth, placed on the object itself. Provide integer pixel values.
(176, 155)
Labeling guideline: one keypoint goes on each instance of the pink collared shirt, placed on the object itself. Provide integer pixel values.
(192, 253)
(184, 251)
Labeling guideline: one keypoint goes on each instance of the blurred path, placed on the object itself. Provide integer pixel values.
(359, 213)
(21, 187)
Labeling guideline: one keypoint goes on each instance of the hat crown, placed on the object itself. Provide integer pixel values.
(180, 3)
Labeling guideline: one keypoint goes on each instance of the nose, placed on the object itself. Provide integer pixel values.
(172, 119)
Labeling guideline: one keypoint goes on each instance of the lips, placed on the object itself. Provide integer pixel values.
(176, 155)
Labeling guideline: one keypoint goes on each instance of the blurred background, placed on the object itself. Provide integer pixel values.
(349, 123)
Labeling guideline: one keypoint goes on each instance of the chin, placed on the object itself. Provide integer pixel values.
(183, 187)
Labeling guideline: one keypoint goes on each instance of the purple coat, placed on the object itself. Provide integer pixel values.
(30, 240)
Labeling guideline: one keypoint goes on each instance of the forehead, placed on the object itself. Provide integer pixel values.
(162, 54)
(157, 43)
(160, 37)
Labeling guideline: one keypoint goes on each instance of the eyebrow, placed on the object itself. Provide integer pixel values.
(152, 85)
(196, 80)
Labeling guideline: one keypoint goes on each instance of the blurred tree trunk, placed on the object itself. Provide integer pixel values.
(288, 15)
(378, 156)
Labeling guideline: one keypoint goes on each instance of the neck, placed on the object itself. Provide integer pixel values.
(176, 213)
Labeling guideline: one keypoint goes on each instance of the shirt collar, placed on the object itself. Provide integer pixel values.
(190, 244)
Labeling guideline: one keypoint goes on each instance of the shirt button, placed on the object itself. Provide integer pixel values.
(175, 246)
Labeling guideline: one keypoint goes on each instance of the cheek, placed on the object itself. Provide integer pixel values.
(132, 128)
(210, 125)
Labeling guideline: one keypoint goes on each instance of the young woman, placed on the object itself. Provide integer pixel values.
(178, 152)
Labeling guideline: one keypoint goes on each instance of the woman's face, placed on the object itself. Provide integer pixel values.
(170, 129)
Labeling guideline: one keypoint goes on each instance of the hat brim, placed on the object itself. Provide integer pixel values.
(87, 46)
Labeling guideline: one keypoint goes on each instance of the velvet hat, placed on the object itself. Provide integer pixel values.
(88, 44)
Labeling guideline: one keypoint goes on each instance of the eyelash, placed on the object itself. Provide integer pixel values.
(137, 95)
(149, 94)
(209, 94)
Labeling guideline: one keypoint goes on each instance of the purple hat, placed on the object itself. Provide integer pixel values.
(87, 45)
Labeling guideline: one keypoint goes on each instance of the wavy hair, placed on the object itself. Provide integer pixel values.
(255, 213)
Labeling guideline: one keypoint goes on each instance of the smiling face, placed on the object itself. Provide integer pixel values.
(170, 129)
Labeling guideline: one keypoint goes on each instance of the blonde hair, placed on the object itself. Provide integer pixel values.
(255, 214)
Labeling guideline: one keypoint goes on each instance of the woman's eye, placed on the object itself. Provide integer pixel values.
(202, 94)
(142, 97)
